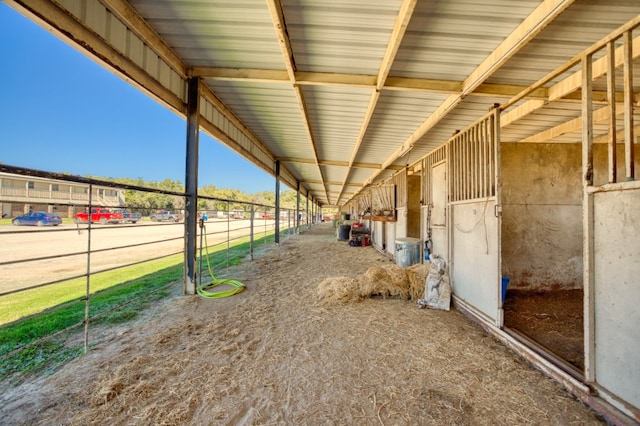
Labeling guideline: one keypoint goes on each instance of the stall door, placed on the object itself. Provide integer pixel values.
(437, 213)
(475, 218)
(615, 292)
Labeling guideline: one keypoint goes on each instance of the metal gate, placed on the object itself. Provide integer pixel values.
(611, 244)
(474, 224)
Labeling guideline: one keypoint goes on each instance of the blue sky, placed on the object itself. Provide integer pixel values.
(62, 112)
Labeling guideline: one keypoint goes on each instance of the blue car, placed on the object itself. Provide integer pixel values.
(37, 219)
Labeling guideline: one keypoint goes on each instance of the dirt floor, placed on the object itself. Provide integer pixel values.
(554, 319)
(277, 354)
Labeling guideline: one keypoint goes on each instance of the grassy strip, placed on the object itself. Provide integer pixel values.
(47, 355)
(23, 304)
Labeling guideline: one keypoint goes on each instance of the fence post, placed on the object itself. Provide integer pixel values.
(88, 289)
(251, 231)
(228, 231)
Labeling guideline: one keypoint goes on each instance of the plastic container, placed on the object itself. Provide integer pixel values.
(407, 251)
(505, 284)
(343, 232)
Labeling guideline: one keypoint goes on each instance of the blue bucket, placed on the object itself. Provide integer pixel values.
(505, 284)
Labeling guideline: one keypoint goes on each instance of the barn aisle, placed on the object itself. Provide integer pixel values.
(277, 354)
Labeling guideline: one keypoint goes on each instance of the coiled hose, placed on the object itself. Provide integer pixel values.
(202, 289)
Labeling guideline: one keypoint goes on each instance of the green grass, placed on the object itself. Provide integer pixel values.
(62, 305)
(20, 305)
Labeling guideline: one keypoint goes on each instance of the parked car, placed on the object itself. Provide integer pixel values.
(37, 219)
(163, 215)
(127, 216)
(98, 215)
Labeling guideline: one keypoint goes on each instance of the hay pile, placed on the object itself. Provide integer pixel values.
(384, 281)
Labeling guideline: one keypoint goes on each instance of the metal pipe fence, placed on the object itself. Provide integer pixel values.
(79, 272)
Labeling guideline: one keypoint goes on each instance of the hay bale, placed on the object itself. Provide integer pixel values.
(375, 282)
(339, 290)
(386, 281)
(399, 283)
(417, 275)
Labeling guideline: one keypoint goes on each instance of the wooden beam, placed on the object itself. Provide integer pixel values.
(521, 111)
(277, 17)
(335, 79)
(399, 29)
(588, 280)
(240, 74)
(628, 106)
(630, 25)
(619, 137)
(544, 14)
(332, 163)
(334, 183)
(570, 126)
(567, 89)
(611, 97)
(600, 68)
(362, 81)
(422, 85)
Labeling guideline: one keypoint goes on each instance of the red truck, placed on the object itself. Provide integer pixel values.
(102, 216)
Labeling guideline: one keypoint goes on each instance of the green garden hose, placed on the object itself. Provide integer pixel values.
(202, 289)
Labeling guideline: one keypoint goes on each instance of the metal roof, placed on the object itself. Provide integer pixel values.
(343, 92)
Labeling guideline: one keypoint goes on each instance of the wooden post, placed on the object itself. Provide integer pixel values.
(611, 99)
(587, 221)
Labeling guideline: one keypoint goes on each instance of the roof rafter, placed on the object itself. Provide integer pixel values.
(361, 80)
(542, 16)
(277, 17)
(570, 84)
(127, 14)
(399, 29)
(332, 163)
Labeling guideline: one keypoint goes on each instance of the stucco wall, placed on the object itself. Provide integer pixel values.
(542, 215)
(542, 211)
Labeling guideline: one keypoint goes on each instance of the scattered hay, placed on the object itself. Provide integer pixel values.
(271, 355)
(339, 289)
(385, 281)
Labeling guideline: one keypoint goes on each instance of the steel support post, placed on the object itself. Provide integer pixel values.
(191, 185)
(297, 219)
(277, 218)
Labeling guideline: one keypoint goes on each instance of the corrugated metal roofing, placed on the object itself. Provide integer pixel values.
(345, 93)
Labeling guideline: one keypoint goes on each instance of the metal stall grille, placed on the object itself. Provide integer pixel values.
(400, 180)
(473, 165)
(437, 156)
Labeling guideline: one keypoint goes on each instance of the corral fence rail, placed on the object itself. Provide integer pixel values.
(70, 264)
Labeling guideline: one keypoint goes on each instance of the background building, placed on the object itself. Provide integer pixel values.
(19, 194)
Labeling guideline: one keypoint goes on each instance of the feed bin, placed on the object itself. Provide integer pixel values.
(343, 232)
(407, 251)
